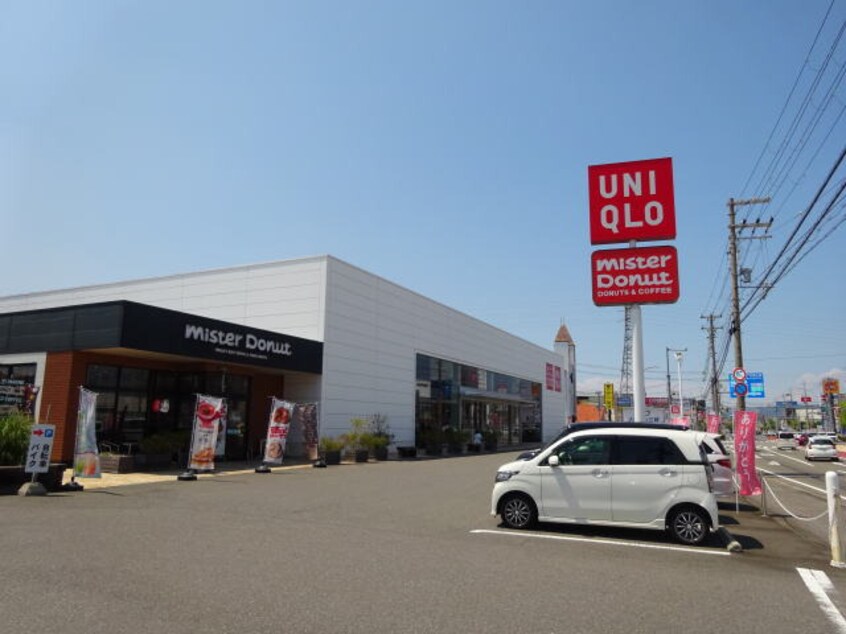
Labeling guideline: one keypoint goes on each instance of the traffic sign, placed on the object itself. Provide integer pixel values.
(754, 385)
(740, 389)
(739, 375)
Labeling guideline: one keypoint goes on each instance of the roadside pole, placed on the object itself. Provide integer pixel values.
(835, 535)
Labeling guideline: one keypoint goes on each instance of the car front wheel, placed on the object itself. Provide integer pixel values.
(518, 511)
(689, 525)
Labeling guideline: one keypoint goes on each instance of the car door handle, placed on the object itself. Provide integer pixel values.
(599, 473)
(667, 473)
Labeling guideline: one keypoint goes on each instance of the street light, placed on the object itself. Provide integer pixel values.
(678, 352)
(679, 356)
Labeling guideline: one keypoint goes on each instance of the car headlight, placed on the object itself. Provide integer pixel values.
(502, 476)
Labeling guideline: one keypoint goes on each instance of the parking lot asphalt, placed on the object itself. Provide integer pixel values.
(760, 536)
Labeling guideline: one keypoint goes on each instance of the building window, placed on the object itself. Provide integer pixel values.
(453, 396)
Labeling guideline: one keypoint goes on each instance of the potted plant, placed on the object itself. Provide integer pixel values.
(433, 441)
(111, 462)
(455, 439)
(15, 430)
(381, 436)
(331, 449)
(491, 439)
(357, 439)
(156, 451)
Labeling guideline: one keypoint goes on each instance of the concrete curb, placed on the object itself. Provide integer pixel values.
(732, 545)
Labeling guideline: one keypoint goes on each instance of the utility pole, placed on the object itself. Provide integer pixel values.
(715, 384)
(735, 288)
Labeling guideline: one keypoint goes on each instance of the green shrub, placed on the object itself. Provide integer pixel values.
(327, 443)
(14, 438)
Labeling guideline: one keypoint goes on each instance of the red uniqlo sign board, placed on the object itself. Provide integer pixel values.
(632, 201)
(644, 275)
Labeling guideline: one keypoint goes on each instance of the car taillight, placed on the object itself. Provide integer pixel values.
(725, 462)
(709, 475)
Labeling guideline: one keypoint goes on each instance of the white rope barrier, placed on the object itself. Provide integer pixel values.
(788, 511)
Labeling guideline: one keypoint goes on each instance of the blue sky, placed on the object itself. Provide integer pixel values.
(442, 145)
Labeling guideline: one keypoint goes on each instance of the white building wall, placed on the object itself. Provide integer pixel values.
(374, 330)
(279, 296)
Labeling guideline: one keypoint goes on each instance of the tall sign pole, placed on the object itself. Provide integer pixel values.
(631, 202)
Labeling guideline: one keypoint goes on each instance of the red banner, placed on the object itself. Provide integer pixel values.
(204, 440)
(281, 413)
(744, 449)
(713, 424)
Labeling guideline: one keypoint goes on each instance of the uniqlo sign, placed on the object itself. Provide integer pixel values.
(643, 275)
(632, 201)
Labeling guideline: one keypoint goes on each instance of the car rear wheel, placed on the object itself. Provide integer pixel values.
(518, 511)
(689, 525)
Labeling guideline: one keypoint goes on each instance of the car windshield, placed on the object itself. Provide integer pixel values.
(822, 441)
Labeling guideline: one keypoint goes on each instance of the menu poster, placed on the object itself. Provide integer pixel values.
(208, 412)
(86, 458)
(281, 413)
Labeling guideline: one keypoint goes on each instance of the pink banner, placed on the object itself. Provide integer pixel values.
(713, 424)
(744, 449)
(681, 421)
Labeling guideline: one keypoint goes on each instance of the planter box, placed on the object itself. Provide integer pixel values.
(332, 457)
(152, 460)
(407, 452)
(361, 455)
(11, 478)
(116, 463)
(380, 453)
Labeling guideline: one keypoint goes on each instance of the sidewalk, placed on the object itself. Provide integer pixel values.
(107, 480)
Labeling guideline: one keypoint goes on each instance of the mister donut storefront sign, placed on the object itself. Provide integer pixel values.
(239, 344)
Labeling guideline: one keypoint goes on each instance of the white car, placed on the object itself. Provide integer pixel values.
(721, 463)
(821, 448)
(639, 478)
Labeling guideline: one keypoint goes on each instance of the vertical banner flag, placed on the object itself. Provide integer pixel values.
(204, 440)
(220, 445)
(281, 413)
(713, 424)
(86, 458)
(307, 415)
(744, 449)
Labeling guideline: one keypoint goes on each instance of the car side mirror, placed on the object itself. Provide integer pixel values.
(553, 461)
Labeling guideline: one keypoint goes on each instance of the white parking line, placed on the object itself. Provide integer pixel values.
(821, 588)
(590, 540)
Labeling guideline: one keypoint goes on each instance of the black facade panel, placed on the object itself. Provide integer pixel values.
(141, 327)
(160, 330)
(98, 326)
(54, 330)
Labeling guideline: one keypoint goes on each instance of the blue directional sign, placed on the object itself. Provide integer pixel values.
(754, 385)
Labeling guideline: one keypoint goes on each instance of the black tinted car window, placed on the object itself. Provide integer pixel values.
(585, 451)
(638, 450)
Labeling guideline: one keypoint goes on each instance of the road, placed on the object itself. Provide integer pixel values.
(387, 547)
(796, 487)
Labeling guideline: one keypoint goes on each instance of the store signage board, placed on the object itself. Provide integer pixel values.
(632, 201)
(40, 447)
(642, 275)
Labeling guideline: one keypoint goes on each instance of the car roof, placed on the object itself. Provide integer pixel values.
(687, 441)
